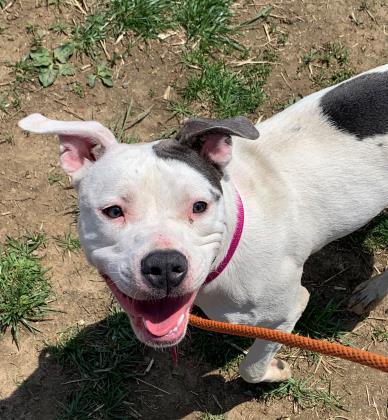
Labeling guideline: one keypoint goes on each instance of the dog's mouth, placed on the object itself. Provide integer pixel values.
(160, 322)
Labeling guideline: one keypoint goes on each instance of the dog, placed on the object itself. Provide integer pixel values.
(225, 214)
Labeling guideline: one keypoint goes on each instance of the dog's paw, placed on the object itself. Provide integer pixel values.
(277, 371)
(368, 294)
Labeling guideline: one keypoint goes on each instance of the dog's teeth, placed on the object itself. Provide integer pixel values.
(180, 320)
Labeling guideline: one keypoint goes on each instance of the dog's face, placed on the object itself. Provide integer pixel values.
(152, 216)
(153, 226)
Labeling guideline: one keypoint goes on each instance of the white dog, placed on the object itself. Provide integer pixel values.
(177, 222)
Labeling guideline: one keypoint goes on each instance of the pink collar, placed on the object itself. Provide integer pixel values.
(233, 245)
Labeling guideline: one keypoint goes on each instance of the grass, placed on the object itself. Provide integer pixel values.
(332, 59)
(180, 108)
(209, 416)
(24, 288)
(293, 100)
(86, 35)
(106, 358)
(55, 178)
(226, 92)
(119, 127)
(68, 243)
(380, 335)
(305, 393)
(78, 89)
(321, 321)
(206, 22)
(146, 18)
(206, 345)
(7, 138)
(374, 236)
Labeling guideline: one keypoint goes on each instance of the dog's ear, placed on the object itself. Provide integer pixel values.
(77, 141)
(212, 138)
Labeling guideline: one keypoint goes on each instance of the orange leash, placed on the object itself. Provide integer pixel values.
(362, 357)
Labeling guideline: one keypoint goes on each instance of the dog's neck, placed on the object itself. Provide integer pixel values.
(234, 224)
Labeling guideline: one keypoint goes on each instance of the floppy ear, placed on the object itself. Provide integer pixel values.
(212, 138)
(77, 141)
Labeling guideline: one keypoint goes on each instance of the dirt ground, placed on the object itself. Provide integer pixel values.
(32, 384)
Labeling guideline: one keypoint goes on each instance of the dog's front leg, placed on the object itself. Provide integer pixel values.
(260, 365)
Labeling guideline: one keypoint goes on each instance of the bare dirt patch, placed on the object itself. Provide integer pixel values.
(32, 382)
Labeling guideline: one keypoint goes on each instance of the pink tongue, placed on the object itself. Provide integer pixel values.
(163, 327)
(162, 315)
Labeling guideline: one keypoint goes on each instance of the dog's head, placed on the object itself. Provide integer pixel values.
(152, 215)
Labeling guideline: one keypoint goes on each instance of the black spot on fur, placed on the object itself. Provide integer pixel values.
(172, 149)
(359, 106)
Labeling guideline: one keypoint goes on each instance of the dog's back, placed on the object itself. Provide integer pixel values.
(331, 149)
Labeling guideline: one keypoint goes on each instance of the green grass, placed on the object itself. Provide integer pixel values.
(104, 358)
(374, 236)
(380, 335)
(86, 35)
(209, 416)
(68, 243)
(146, 18)
(206, 22)
(305, 394)
(329, 53)
(321, 321)
(78, 89)
(180, 108)
(119, 127)
(332, 60)
(334, 51)
(293, 100)
(24, 289)
(206, 345)
(226, 92)
(59, 28)
(7, 138)
(55, 178)
(309, 57)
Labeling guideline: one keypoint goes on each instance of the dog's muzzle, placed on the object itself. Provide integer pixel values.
(164, 269)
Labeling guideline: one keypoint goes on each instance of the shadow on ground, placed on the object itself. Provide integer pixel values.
(99, 372)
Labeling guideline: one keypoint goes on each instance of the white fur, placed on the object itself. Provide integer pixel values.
(303, 183)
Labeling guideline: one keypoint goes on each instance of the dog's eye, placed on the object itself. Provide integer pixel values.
(199, 207)
(113, 212)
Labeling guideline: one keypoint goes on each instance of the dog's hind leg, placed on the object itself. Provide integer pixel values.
(259, 365)
(368, 294)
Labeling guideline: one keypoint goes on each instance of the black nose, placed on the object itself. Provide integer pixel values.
(164, 269)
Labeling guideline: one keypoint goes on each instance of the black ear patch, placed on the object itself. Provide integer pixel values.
(359, 106)
(171, 149)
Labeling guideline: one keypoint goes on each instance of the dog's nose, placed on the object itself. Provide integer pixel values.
(164, 269)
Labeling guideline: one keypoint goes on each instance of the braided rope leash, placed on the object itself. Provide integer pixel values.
(362, 357)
